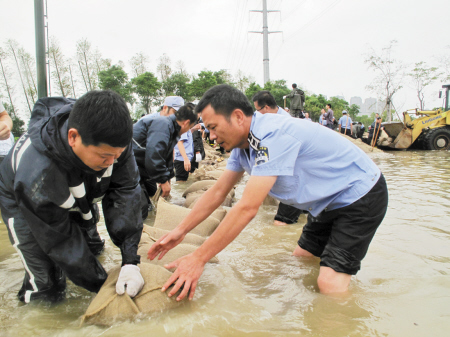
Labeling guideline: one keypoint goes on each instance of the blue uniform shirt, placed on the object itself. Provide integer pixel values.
(345, 122)
(188, 143)
(283, 112)
(316, 167)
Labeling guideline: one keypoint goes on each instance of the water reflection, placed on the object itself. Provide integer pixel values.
(259, 289)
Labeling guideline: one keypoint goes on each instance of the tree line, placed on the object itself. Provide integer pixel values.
(143, 89)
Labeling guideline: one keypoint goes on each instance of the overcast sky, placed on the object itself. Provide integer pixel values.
(322, 48)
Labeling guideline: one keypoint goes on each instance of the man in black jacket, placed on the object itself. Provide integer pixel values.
(74, 154)
(154, 138)
(297, 97)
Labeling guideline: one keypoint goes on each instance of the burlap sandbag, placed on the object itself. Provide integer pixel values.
(150, 233)
(168, 216)
(180, 250)
(192, 198)
(203, 185)
(213, 174)
(155, 198)
(108, 307)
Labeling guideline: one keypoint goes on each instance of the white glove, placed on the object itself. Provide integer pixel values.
(198, 157)
(130, 278)
(284, 97)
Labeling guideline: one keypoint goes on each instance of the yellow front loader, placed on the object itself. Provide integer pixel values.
(429, 131)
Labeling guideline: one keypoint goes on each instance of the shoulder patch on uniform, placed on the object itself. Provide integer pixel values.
(262, 155)
(253, 141)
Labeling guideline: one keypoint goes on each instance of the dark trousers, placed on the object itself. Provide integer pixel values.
(287, 214)
(341, 237)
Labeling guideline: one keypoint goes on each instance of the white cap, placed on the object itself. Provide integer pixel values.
(175, 102)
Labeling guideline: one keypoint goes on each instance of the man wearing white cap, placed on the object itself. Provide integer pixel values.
(171, 104)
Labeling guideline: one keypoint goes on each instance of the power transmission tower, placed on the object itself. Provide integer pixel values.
(265, 33)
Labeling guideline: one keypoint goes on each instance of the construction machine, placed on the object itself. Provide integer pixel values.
(429, 131)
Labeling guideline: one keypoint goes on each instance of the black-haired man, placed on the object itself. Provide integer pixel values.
(74, 154)
(342, 189)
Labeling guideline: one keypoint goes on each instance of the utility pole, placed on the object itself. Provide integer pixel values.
(40, 48)
(265, 33)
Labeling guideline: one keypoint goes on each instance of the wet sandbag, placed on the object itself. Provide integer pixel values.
(192, 198)
(213, 174)
(108, 307)
(219, 213)
(180, 250)
(155, 198)
(168, 216)
(152, 234)
(202, 185)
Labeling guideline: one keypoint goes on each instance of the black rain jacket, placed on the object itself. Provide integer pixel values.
(154, 138)
(41, 180)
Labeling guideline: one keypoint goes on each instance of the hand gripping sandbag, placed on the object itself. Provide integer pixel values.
(108, 307)
(168, 216)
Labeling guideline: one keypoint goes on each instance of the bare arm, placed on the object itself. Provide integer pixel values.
(190, 267)
(203, 208)
(5, 125)
(182, 149)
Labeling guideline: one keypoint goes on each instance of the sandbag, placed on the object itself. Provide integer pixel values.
(168, 216)
(108, 307)
(192, 198)
(180, 250)
(152, 234)
(219, 213)
(203, 185)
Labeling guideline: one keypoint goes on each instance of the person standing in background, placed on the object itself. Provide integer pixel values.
(297, 98)
(6, 123)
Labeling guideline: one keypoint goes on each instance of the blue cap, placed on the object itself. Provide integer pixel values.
(344, 112)
(175, 102)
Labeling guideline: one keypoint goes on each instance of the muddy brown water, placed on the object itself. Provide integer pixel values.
(259, 289)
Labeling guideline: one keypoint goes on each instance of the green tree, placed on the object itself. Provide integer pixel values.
(147, 87)
(178, 85)
(353, 111)
(422, 76)
(314, 105)
(252, 89)
(338, 105)
(278, 89)
(223, 77)
(202, 83)
(116, 79)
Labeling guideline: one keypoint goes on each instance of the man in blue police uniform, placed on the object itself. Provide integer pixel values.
(297, 162)
(345, 124)
(264, 102)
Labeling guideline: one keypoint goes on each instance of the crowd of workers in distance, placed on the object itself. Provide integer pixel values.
(345, 125)
(80, 152)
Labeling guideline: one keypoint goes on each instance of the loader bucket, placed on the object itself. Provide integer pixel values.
(403, 140)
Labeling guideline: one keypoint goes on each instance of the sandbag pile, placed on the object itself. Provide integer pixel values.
(149, 236)
(108, 307)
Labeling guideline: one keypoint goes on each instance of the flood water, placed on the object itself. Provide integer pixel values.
(259, 289)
